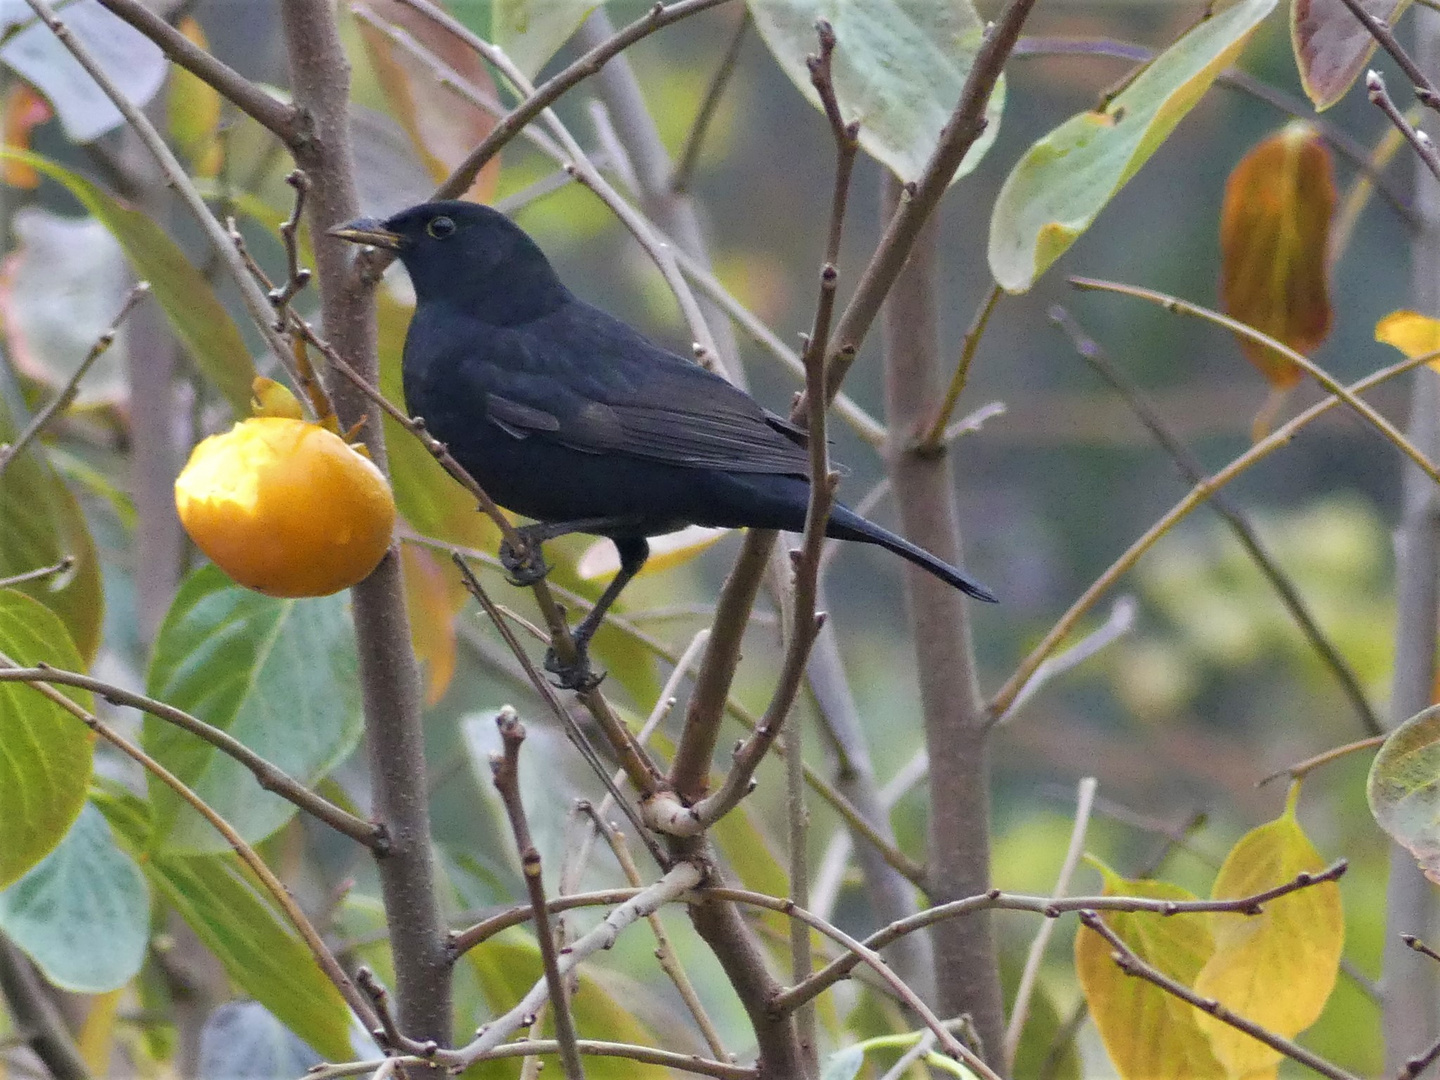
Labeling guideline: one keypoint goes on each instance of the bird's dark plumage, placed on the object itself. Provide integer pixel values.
(569, 416)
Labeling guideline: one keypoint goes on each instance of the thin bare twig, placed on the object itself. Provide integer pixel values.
(937, 433)
(1184, 307)
(1420, 1062)
(678, 880)
(664, 954)
(285, 121)
(1000, 702)
(689, 155)
(38, 574)
(505, 770)
(550, 91)
(62, 400)
(861, 953)
(1131, 964)
(270, 777)
(1191, 470)
(1303, 768)
(1380, 31)
(621, 739)
(1424, 147)
(1019, 1012)
(272, 885)
(1051, 908)
(965, 126)
(1419, 946)
(37, 1017)
(644, 1055)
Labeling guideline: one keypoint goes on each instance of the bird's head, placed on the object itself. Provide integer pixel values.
(465, 254)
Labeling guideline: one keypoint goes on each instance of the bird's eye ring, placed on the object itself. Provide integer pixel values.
(440, 227)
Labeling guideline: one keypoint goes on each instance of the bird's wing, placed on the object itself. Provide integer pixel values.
(634, 398)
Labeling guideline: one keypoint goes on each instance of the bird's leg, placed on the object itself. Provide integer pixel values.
(634, 550)
(527, 565)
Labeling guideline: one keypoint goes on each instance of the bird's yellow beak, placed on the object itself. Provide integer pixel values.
(368, 231)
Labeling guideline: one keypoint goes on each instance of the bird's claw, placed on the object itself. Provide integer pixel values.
(526, 566)
(576, 676)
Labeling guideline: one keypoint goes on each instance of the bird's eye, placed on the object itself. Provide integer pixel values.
(440, 227)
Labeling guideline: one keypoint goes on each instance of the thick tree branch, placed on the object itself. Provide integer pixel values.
(286, 122)
(966, 963)
(36, 1017)
(389, 675)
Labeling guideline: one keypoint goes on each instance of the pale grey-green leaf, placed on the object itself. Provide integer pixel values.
(83, 912)
(279, 675)
(899, 67)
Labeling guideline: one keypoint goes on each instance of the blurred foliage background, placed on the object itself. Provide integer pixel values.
(1212, 688)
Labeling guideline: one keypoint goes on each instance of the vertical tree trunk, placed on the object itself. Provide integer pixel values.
(1409, 982)
(966, 968)
(389, 675)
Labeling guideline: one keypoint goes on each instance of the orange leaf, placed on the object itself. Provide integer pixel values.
(1274, 227)
(442, 125)
(24, 110)
(432, 599)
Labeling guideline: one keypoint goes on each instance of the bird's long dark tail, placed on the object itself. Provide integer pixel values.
(845, 524)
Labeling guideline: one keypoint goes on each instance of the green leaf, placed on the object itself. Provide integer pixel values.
(1404, 789)
(238, 923)
(279, 675)
(1063, 182)
(83, 913)
(42, 524)
(898, 68)
(199, 320)
(45, 752)
(530, 31)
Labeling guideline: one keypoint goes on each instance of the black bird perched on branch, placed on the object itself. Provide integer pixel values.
(567, 415)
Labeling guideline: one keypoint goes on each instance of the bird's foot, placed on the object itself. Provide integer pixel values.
(525, 566)
(575, 676)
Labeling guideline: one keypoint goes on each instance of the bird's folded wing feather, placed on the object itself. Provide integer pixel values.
(642, 401)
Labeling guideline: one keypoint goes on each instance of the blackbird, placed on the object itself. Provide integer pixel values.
(568, 416)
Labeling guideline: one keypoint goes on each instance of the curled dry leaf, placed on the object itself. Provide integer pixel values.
(1331, 46)
(443, 126)
(1274, 227)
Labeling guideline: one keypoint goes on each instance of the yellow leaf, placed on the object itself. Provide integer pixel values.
(1276, 968)
(1149, 1034)
(270, 398)
(601, 561)
(1274, 234)
(194, 110)
(1413, 334)
(97, 1035)
(432, 599)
